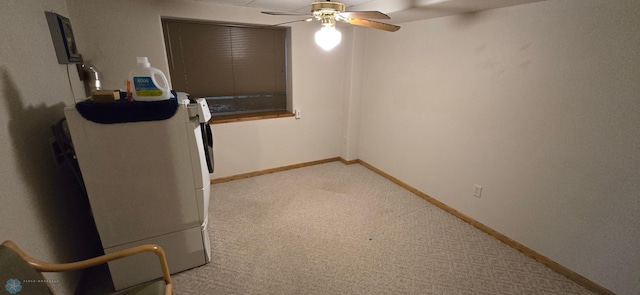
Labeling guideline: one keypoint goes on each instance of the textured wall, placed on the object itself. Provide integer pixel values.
(40, 205)
(537, 103)
(132, 28)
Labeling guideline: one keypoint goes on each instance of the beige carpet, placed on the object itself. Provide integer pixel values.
(343, 229)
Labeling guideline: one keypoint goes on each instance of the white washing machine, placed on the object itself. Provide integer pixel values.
(147, 182)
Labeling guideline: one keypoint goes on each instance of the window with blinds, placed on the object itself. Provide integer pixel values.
(238, 68)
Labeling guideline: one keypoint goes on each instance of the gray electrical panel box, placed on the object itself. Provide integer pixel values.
(63, 39)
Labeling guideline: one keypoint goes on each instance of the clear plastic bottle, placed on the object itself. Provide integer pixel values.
(144, 82)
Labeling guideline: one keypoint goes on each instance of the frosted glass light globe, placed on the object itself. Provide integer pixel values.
(328, 37)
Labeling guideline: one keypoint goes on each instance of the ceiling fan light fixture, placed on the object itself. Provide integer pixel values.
(329, 12)
(328, 37)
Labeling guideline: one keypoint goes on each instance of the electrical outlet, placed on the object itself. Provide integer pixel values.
(297, 114)
(477, 191)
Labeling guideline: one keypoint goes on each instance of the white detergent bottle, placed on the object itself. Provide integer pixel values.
(144, 82)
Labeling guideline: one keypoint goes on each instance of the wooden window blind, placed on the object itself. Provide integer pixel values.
(238, 68)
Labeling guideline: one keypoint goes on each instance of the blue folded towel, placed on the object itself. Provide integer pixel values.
(122, 111)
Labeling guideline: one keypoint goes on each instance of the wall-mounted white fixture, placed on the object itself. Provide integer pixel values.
(477, 191)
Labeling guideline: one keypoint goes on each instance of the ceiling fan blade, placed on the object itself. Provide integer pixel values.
(373, 24)
(289, 22)
(364, 14)
(285, 13)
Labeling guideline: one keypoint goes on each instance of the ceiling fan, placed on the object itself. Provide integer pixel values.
(329, 12)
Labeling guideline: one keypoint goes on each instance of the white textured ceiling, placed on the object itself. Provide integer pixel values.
(302, 6)
(398, 10)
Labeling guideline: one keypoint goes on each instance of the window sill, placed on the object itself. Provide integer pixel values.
(249, 117)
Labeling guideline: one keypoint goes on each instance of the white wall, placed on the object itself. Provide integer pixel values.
(113, 33)
(354, 66)
(41, 208)
(537, 103)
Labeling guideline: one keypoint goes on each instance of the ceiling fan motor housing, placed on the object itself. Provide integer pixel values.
(326, 12)
(328, 6)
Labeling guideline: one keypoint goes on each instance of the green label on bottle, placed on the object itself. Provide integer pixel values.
(144, 86)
